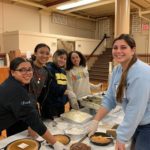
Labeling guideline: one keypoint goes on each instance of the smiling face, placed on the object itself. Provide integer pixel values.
(42, 56)
(60, 60)
(23, 73)
(75, 59)
(122, 52)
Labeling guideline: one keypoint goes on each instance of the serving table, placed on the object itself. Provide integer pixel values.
(58, 126)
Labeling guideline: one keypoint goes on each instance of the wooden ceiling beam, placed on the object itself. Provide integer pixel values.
(30, 3)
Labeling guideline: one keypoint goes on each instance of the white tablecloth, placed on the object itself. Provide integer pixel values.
(60, 129)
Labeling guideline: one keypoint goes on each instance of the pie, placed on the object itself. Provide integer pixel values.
(100, 139)
(80, 146)
(62, 138)
(24, 144)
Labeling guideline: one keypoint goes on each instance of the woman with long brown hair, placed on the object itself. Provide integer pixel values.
(129, 87)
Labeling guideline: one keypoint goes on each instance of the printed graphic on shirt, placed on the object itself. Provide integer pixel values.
(26, 102)
(61, 78)
(79, 75)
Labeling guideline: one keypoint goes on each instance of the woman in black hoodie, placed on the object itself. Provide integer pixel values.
(16, 104)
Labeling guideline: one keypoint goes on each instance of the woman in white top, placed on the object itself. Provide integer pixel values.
(78, 78)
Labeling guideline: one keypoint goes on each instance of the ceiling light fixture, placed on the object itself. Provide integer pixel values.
(75, 4)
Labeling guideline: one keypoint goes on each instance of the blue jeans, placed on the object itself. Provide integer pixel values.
(141, 138)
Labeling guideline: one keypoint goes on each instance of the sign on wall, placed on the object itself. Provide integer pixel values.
(145, 26)
(59, 19)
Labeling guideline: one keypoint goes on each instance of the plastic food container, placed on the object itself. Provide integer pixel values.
(75, 133)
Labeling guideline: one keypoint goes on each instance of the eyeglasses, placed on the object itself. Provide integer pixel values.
(24, 70)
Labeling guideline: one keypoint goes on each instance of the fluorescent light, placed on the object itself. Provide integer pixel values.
(75, 4)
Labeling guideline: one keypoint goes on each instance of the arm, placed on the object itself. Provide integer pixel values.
(49, 137)
(25, 110)
(102, 112)
(96, 86)
(71, 95)
(108, 103)
(136, 103)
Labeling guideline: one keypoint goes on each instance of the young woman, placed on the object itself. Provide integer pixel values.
(16, 105)
(78, 78)
(56, 99)
(40, 80)
(129, 87)
(39, 84)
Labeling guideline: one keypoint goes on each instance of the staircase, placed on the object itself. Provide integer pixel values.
(100, 69)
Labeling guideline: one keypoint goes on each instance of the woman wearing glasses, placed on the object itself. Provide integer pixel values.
(16, 105)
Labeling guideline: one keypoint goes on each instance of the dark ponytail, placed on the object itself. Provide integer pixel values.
(130, 41)
(122, 84)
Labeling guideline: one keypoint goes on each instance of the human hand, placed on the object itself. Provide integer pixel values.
(75, 106)
(32, 133)
(66, 92)
(100, 84)
(96, 86)
(59, 146)
(119, 146)
(92, 127)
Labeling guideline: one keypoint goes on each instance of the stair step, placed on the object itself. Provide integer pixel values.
(105, 56)
(99, 74)
(99, 78)
(101, 65)
(99, 69)
(102, 62)
(107, 51)
(104, 59)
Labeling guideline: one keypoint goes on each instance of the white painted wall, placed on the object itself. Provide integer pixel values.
(26, 41)
(20, 18)
(11, 41)
(142, 46)
(140, 35)
(29, 19)
(44, 22)
(14, 17)
(86, 47)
